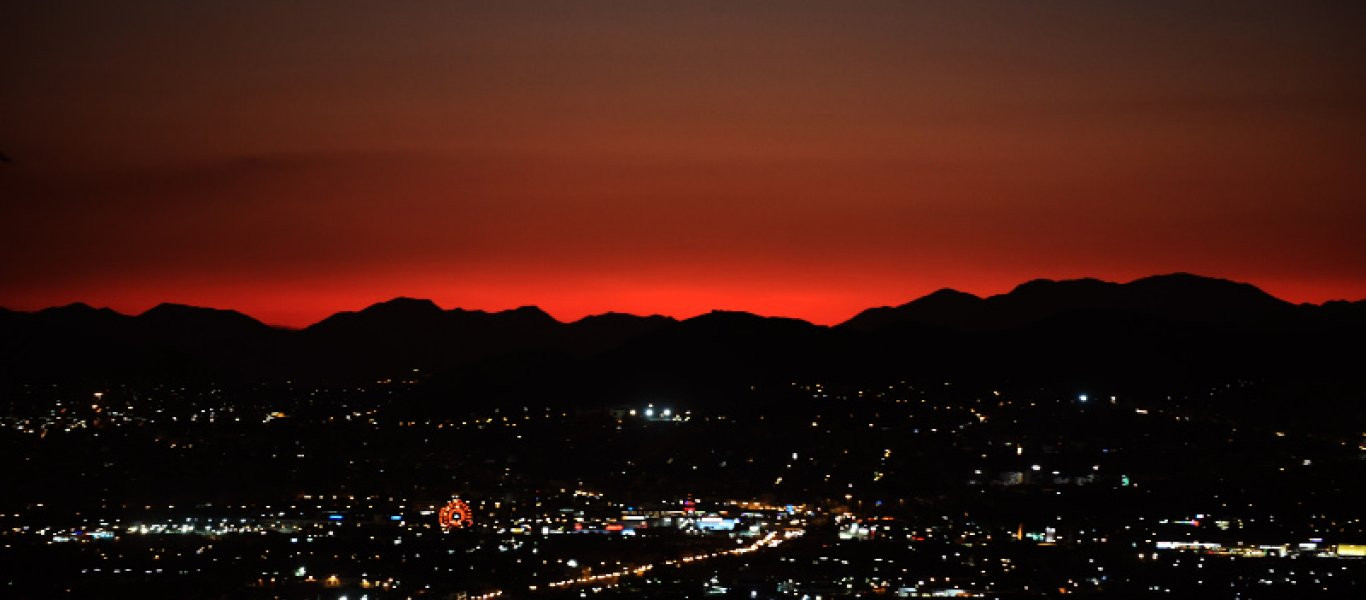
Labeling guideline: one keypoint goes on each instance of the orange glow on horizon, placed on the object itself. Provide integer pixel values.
(794, 159)
(299, 304)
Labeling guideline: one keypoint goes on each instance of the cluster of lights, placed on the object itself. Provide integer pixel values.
(455, 514)
(771, 540)
(650, 412)
(599, 577)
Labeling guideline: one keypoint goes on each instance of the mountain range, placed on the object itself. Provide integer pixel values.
(1160, 327)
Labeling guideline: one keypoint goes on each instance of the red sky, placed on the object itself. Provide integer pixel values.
(803, 159)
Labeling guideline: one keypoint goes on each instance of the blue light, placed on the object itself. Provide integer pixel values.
(395, 517)
(334, 517)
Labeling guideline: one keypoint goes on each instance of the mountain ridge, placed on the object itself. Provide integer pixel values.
(1176, 295)
(937, 298)
(1171, 323)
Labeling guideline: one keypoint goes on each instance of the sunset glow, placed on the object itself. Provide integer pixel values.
(805, 159)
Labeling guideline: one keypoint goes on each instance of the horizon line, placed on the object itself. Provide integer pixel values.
(668, 316)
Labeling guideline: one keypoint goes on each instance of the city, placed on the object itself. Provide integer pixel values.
(902, 490)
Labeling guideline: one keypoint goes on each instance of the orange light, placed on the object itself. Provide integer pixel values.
(455, 514)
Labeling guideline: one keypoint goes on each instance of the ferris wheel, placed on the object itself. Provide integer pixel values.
(455, 515)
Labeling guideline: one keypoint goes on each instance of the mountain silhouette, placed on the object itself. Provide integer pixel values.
(193, 322)
(1162, 327)
(1179, 297)
(946, 308)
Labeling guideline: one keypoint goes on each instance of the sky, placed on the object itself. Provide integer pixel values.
(793, 158)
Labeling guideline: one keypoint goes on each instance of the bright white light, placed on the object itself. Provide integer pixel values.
(1036, 467)
(1081, 398)
(668, 412)
(649, 412)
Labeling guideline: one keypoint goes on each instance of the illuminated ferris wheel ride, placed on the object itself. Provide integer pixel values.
(455, 515)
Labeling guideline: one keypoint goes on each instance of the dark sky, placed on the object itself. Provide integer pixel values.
(291, 159)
